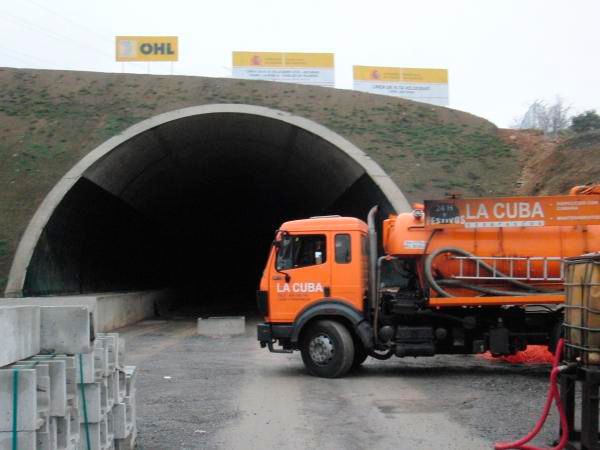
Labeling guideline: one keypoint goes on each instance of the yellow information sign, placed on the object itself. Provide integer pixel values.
(288, 67)
(277, 59)
(147, 48)
(424, 85)
(400, 74)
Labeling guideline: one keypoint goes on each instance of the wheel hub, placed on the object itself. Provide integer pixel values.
(321, 349)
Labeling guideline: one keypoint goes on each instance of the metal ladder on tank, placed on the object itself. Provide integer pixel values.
(532, 264)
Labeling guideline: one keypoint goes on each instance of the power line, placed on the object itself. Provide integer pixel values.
(71, 21)
(39, 29)
(16, 57)
(20, 54)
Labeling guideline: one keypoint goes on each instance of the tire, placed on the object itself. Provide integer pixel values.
(360, 354)
(327, 349)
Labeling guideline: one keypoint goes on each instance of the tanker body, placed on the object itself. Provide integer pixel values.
(517, 260)
(455, 277)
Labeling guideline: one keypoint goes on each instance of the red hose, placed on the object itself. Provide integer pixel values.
(553, 393)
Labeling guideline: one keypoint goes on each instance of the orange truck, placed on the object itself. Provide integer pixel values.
(454, 276)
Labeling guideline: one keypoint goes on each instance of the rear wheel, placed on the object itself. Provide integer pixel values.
(327, 349)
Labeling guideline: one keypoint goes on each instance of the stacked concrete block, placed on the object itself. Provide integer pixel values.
(76, 394)
(124, 413)
(110, 396)
(20, 418)
(19, 333)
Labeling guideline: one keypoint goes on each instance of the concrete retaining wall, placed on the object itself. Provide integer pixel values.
(109, 311)
(118, 310)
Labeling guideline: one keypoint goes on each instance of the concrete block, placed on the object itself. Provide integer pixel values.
(104, 407)
(122, 420)
(110, 431)
(121, 352)
(111, 390)
(130, 377)
(131, 412)
(26, 396)
(94, 402)
(63, 430)
(121, 386)
(222, 326)
(72, 300)
(101, 359)
(111, 344)
(98, 436)
(65, 329)
(26, 440)
(19, 333)
(42, 387)
(58, 383)
(46, 439)
(127, 443)
(118, 343)
(92, 363)
(74, 436)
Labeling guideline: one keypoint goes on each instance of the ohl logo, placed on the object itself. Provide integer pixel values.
(156, 48)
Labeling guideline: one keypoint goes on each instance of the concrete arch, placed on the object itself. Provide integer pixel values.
(140, 176)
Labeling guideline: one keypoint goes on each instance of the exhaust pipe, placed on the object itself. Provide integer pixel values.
(372, 256)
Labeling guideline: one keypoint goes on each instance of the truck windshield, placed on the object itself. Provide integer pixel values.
(301, 251)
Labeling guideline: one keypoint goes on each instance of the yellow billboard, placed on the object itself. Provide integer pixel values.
(147, 48)
(290, 67)
(424, 85)
(275, 59)
(370, 73)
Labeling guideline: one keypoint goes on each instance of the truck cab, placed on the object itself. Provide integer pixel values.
(315, 277)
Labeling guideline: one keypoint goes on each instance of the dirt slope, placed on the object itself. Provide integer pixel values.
(551, 166)
(51, 119)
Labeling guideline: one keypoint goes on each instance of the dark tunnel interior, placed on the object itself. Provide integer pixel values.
(192, 205)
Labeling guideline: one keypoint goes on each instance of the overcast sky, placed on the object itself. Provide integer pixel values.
(501, 55)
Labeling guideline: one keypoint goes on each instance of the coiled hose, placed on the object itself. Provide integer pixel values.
(436, 285)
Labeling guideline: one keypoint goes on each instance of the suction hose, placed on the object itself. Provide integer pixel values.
(436, 284)
(553, 394)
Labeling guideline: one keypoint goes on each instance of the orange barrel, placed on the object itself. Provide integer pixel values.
(582, 309)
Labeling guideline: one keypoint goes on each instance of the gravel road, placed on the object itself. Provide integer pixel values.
(227, 393)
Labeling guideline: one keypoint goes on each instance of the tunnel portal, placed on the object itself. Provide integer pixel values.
(190, 200)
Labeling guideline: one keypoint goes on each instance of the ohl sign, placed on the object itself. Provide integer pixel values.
(147, 48)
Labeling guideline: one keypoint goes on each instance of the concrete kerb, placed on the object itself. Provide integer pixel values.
(221, 326)
(16, 279)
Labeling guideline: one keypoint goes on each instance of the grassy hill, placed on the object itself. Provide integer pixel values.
(51, 119)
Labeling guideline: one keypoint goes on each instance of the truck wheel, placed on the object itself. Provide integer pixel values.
(327, 349)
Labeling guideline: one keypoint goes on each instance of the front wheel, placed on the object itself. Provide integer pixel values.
(327, 349)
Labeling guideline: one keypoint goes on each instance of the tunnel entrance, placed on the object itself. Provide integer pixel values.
(190, 200)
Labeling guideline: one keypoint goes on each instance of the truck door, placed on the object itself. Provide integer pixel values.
(347, 279)
(300, 275)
